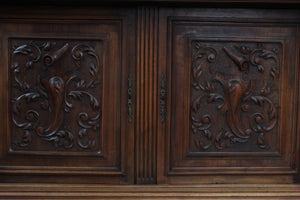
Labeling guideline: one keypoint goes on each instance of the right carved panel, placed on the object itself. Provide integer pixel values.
(231, 99)
(235, 96)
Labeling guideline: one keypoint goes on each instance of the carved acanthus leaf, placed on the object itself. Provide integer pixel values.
(52, 94)
(237, 95)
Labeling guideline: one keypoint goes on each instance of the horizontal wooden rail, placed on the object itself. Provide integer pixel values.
(67, 191)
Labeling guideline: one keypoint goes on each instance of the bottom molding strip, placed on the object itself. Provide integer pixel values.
(84, 191)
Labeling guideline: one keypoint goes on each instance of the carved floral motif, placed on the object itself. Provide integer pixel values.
(49, 78)
(242, 82)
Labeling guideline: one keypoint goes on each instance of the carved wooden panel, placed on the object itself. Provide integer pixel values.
(230, 99)
(235, 96)
(56, 95)
(64, 111)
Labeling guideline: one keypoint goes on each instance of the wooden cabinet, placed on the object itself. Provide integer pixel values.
(149, 95)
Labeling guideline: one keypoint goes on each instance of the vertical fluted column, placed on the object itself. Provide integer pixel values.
(146, 94)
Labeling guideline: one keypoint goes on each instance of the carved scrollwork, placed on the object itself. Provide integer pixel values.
(87, 123)
(78, 52)
(54, 94)
(33, 54)
(240, 99)
(202, 58)
(257, 56)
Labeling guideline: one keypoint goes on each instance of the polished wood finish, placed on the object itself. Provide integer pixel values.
(230, 107)
(146, 96)
(64, 112)
(201, 96)
(255, 191)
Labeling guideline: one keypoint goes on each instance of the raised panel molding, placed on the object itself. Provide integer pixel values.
(231, 100)
(63, 109)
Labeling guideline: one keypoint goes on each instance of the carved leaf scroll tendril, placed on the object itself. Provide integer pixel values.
(54, 92)
(257, 56)
(78, 52)
(87, 123)
(33, 54)
(236, 97)
(198, 62)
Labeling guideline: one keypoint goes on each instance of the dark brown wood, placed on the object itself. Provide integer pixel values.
(199, 3)
(46, 77)
(189, 93)
(64, 111)
(146, 93)
(232, 94)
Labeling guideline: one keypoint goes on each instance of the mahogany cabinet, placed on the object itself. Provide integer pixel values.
(149, 93)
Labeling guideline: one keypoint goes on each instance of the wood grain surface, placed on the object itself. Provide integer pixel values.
(56, 191)
(177, 94)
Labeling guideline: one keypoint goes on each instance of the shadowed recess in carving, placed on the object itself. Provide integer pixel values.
(233, 95)
(54, 81)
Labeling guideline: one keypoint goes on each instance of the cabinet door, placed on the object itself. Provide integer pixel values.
(232, 96)
(63, 112)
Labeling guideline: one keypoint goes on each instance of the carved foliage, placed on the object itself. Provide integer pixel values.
(234, 96)
(56, 92)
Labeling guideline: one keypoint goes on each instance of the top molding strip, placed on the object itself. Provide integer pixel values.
(221, 3)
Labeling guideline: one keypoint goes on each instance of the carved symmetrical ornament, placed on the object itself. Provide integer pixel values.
(234, 95)
(56, 88)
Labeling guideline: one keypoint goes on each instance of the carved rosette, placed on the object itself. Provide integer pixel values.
(234, 96)
(56, 90)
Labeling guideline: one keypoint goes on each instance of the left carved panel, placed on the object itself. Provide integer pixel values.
(56, 92)
(63, 111)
